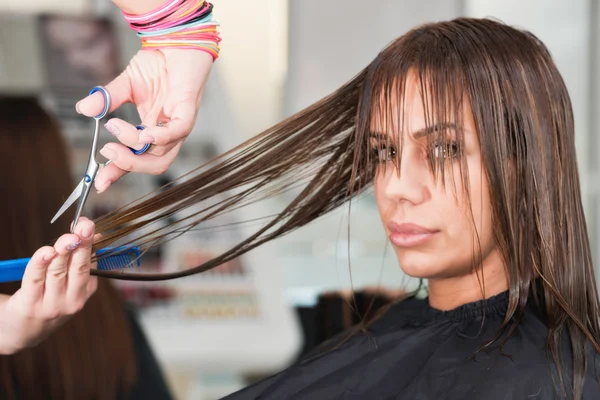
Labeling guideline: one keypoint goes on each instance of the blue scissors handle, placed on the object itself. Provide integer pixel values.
(146, 146)
(107, 101)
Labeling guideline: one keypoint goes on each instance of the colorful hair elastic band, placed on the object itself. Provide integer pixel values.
(153, 15)
(178, 24)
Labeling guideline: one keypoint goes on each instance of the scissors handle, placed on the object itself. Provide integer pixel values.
(107, 101)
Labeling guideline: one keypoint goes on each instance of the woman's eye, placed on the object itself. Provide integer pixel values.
(445, 150)
(384, 154)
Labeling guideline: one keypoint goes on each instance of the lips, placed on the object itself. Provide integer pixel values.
(409, 235)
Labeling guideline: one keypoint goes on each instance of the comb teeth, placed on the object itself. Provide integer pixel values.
(124, 257)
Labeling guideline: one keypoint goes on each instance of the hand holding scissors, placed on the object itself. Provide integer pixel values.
(165, 86)
(82, 190)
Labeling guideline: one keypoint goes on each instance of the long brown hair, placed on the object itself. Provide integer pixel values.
(524, 120)
(91, 356)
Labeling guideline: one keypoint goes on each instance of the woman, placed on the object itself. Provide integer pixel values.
(465, 128)
(101, 353)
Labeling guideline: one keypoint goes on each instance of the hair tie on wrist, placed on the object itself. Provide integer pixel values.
(178, 24)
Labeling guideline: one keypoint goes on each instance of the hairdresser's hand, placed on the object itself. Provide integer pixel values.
(56, 284)
(166, 86)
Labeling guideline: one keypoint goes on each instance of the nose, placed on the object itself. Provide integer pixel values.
(409, 181)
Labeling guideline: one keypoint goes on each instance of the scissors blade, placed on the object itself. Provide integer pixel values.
(74, 196)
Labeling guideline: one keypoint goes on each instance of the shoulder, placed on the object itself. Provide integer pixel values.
(409, 314)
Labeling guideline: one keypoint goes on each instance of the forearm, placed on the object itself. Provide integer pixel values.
(138, 6)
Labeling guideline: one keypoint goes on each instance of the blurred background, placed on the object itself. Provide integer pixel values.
(216, 333)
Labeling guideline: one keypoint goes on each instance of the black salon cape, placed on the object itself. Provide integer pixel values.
(416, 352)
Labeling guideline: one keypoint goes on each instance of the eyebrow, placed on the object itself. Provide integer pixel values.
(421, 132)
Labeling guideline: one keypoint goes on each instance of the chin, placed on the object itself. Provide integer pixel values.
(421, 265)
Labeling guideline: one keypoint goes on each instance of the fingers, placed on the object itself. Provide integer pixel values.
(34, 277)
(107, 176)
(178, 128)
(120, 93)
(57, 280)
(162, 137)
(127, 134)
(92, 284)
(56, 284)
(131, 135)
(56, 277)
(123, 161)
(79, 267)
(122, 157)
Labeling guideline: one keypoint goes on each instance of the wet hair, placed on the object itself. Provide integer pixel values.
(524, 120)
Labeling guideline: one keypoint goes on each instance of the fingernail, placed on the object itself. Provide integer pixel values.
(77, 107)
(144, 139)
(108, 153)
(103, 186)
(87, 232)
(49, 257)
(73, 246)
(113, 129)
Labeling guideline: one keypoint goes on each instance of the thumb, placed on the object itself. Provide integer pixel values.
(120, 93)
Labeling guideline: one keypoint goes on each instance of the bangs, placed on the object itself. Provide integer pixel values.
(438, 78)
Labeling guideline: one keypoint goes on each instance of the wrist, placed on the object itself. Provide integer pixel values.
(178, 24)
(19, 331)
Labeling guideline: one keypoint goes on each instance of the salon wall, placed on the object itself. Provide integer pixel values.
(20, 65)
(331, 41)
(63, 7)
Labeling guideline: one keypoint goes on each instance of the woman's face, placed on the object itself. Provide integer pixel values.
(431, 228)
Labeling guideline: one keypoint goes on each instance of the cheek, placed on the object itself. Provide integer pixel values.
(379, 190)
(484, 216)
(473, 214)
(480, 202)
(465, 212)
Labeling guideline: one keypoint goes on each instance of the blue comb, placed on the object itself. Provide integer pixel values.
(117, 258)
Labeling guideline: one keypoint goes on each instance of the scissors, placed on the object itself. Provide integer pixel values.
(82, 190)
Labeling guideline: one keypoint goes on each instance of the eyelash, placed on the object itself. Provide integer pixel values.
(383, 154)
(448, 145)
